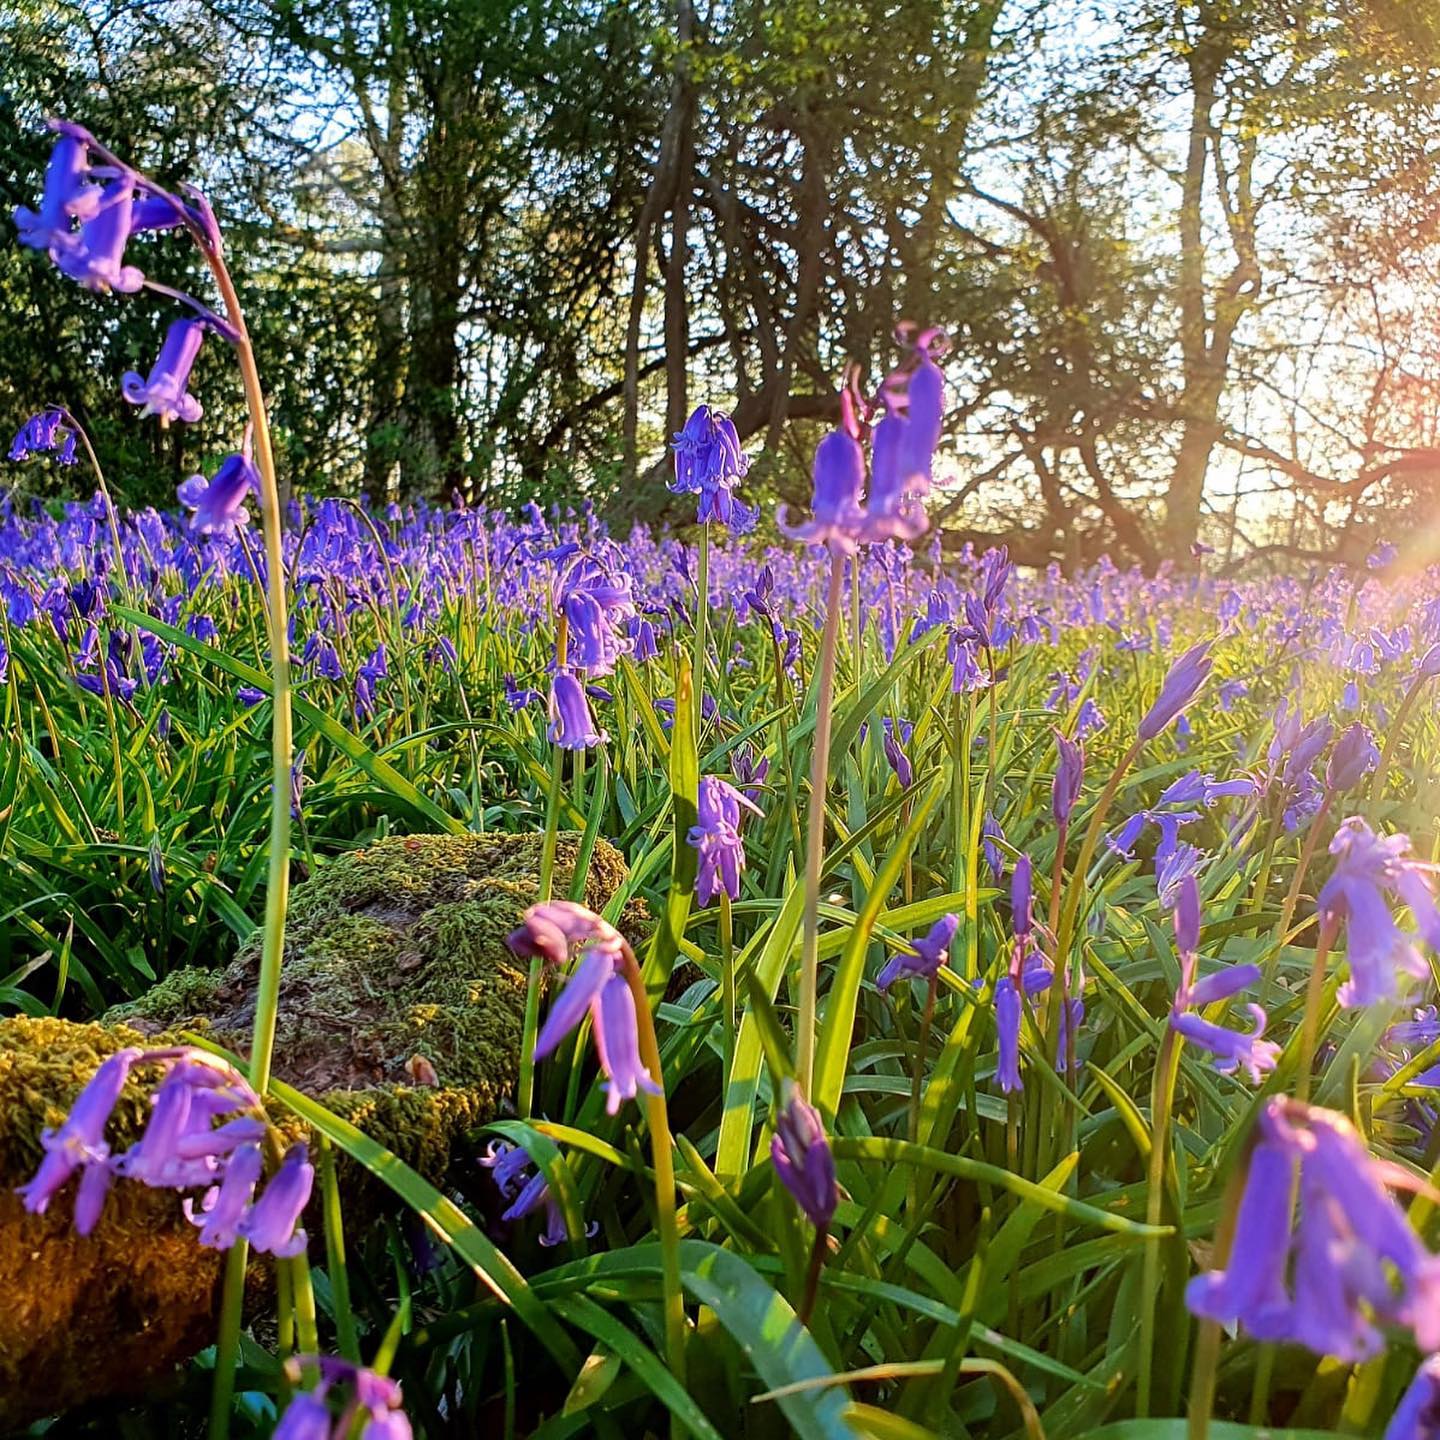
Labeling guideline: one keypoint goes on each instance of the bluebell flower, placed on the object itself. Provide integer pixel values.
(990, 833)
(1354, 756)
(372, 669)
(896, 735)
(716, 837)
(219, 504)
(571, 726)
(1089, 719)
(518, 697)
(1357, 1261)
(708, 462)
(527, 1192)
(375, 1398)
(70, 195)
(802, 1159)
(79, 1145)
(1181, 684)
(836, 517)
(597, 986)
(95, 257)
(1069, 776)
(1007, 1031)
(181, 1148)
(272, 1223)
(1369, 869)
(932, 951)
(164, 394)
(42, 434)
(1417, 1417)
(224, 1205)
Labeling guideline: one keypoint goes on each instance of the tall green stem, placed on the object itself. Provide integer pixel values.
(663, 1161)
(1314, 993)
(815, 838)
(277, 889)
(702, 610)
(1161, 1097)
(727, 984)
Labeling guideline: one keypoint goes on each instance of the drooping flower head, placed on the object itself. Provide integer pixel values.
(895, 736)
(708, 463)
(1417, 1417)
(1369, 869)
(838, 472)
(902, 446)
(717, 838)
(79, 1145)
(1354, 756)
(326, 1413)
(571, 725)
(597, 986)
(1352, 1262)
(931, 952)
(526, 1191)
(45, 433)
(70, 195)
(95, 257)
(802, 1159)
(164, 393)
(218, 505)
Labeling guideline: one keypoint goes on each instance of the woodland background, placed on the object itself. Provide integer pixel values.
(1187, 252)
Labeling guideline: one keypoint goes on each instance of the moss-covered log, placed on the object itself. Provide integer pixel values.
(400, 1007)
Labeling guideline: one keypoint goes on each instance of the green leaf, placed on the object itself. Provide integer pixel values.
(584, 1313)
(762, 1323)
(839, 1020)
(351, 746)
(877, 1150)
(493, 1268)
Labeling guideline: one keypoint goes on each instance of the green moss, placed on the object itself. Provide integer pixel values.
(400, 1007)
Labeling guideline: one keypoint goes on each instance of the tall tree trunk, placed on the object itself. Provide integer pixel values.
(1203, 385)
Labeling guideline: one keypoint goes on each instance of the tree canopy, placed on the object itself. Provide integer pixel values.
(500, 250)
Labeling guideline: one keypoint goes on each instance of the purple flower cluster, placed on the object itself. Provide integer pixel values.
(846, 511)
(1369, 869)
(716, 837)
(1232, 1049)
(373, 1398)
(182, 1148)
(708, 463)
(1357, 1263)
(598, 987)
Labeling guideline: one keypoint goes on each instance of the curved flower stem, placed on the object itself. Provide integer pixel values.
(815, 838)
(277, 888)
(525, 1083)
(702, 613)
(1292, 895)
(857, 616)
(727, 984)
(663, 1161)
(1167, 1064)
